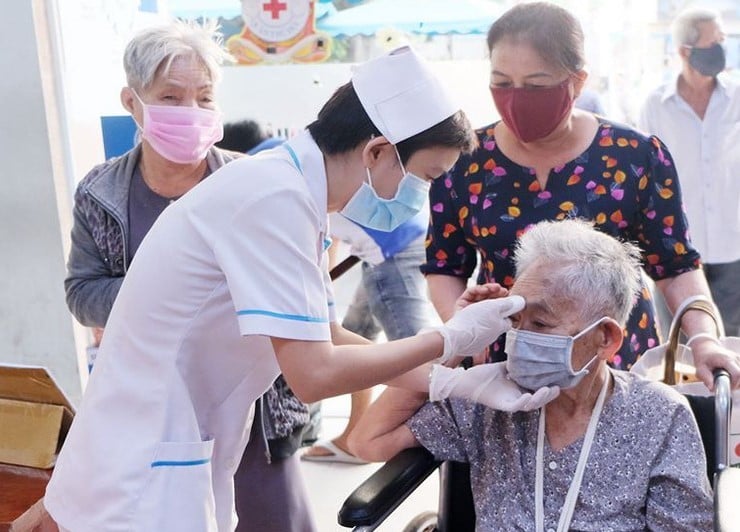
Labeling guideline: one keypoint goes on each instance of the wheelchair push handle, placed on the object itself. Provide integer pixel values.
(723, 415)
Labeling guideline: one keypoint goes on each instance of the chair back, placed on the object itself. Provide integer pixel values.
(703, 409)
(456, 512)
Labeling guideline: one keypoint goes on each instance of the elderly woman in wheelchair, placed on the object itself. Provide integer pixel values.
(611, 452)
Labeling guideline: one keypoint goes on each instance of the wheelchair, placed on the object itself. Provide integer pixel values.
(376, 498)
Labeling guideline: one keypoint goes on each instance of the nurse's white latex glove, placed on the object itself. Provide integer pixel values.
(489, 385)
(473, 328)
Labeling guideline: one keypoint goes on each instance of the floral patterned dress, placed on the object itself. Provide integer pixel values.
(625, 182)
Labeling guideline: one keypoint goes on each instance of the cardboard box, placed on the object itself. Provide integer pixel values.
(35, 416)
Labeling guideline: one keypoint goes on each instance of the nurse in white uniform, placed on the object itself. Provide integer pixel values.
(230, 287)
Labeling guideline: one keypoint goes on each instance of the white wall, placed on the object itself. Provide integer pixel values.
(35, 326)
(94, 35)
(291, 95)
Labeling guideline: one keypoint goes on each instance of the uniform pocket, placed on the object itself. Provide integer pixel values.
(179, 492)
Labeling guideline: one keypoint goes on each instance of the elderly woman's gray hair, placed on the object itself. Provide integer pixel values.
(585, 265)
(685, 27)
(156, 47)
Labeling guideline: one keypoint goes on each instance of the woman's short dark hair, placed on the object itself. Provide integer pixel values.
(551, 30)
(242, 136)
(343, 124)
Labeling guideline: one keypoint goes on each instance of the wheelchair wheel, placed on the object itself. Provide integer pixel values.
(424, 522)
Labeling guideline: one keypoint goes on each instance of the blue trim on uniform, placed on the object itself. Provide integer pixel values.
(180, 463)
(327, 242)
(293, 156)
(330, 303)
(294, 317)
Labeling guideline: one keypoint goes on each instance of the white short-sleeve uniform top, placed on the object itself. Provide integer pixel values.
(167, 410)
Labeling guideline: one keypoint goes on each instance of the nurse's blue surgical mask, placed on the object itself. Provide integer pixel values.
(366, 208)
(535, 360)
(708, 61)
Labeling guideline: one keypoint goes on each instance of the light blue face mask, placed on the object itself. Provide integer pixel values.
(366, 208)
(534, 360)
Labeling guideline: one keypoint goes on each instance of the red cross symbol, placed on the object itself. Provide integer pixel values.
(274, 7)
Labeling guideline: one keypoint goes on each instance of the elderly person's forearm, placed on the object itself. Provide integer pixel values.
(677, 289)
(708, 353)
(443, 292)
(90, 300)
(381, 432)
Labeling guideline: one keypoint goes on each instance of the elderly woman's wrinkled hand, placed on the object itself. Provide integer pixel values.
(710, 355)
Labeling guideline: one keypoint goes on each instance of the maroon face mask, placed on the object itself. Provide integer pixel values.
(532, 114)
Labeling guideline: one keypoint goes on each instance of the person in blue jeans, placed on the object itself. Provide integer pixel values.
(391, 297)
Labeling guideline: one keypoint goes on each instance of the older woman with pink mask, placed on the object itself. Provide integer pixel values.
(546, 160)
(172, 72)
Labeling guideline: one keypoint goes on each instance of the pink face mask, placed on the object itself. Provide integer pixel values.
(180, 134)
(532, 114)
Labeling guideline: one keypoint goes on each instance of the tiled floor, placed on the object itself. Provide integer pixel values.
(329, 484)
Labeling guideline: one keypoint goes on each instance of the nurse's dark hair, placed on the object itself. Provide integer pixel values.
(551, 30)
(342, 125)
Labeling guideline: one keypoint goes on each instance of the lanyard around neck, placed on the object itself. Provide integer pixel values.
(566, 513)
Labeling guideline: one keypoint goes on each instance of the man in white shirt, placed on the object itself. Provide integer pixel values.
(230, 287)
(697, 115)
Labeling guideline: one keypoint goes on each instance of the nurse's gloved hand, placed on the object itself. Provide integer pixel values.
(489, 385)
(473, 328)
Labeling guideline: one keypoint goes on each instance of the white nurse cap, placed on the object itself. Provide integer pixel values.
(401, 94)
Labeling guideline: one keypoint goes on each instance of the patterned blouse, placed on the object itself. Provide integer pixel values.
(646, 469)
(625, 182)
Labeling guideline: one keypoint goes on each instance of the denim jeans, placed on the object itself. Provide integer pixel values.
(392, 296)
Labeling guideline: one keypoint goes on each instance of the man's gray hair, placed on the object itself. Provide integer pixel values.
(685, 27)
(599, 273)
(156, 47)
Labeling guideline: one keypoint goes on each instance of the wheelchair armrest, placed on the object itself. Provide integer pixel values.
(375, 499)
(726, 496)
